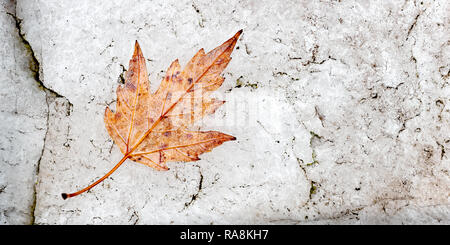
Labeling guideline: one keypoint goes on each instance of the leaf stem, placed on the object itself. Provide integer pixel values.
(65, 195)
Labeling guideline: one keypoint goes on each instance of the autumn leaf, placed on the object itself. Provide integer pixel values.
(153, 128)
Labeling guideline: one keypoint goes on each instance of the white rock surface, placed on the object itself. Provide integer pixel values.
(23, 116)
(341, 110)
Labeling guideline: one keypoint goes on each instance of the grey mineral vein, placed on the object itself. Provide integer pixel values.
(341, 111)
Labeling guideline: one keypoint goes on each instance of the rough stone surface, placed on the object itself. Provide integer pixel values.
(341, 111)
(23, 116)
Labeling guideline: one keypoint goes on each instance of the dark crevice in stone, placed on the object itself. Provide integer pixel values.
(411, 27)
(34, 66)
(34, 63)
(200, 186)
(121, 78)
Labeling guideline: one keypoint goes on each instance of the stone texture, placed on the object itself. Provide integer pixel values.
(23, 116)
(340, 109)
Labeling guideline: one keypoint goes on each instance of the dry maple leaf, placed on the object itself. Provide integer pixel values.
(153, 129)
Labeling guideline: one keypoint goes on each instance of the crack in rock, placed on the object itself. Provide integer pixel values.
(35, 68)
(36, 174)
(121, 78)
(412, 26)
(200, 185)
(134, 217)
(302, 166)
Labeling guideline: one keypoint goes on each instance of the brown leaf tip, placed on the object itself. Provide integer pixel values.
(64, 196)
(236, 36)
(137, 49)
